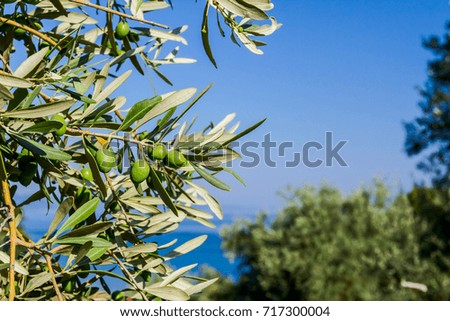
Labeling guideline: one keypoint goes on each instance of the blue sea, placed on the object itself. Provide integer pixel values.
(209, 253)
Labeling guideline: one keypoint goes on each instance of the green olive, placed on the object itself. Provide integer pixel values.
(139, 171)
(28, 168)
(117, 296)
(158, 152)
(175, 159)
(122, 30)
(115, 207)
(86, 173)
(68, 286)
(143, 135)
(147, 276)
(82, 195)
(120, 52)
(106, 160)
(60, 118)
(133, 37)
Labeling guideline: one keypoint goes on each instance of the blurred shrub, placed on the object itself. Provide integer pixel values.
(327, 246)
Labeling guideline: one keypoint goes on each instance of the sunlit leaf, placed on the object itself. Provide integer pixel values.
(80, 215)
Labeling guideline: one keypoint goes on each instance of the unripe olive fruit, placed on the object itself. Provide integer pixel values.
(147, 276)
(158, 152)
(16, 287)
(175, 158)
(43, 44)
(143, 135)
(86, 173)
(37, 25)
(122, 30)
(68, 286)
(139, 171)
(120, 52)
(106, 160)
(19, 32)
(133, 36)
(117, 296)
(28, 168)
(115, 207)
(83, 195)
(62, 130)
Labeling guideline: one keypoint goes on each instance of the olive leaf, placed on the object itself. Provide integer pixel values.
(211, 179)
(138, 111)
(79, 216)
(41, 110)
(40, 149)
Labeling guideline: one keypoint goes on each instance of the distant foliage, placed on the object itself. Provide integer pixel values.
(430, 132)
(327, 246)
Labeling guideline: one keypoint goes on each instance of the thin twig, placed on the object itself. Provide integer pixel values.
(107, 136)
(47, 99)
(122, 209)
(5, 63)
(55, 284)
(12, 236)
(30, 30)
(125, 270)
(118, 13)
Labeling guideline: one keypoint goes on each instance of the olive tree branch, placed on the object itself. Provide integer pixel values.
(118, 13)
(128, 274)
(30, 30)
(48, 259)
(79, 132)
(13, 237)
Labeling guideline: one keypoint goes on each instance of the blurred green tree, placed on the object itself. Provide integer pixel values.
(327, 246)
(432, 216)
(431, 130)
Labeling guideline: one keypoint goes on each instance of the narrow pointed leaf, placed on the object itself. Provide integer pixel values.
(88, 230)
(80, 215)
(40, 149)
(211, 179)
(96, 241)
(41, 110)
(244, 132)
(26, 68)
(37, 281)
(187, 247)
(5, 94)
(43, 127)
(11, 81)
(177, 274)
(94, 168)
(173, 100)
(162, 192)
(138, 111)
(205, 36)
(60, 214)
(168, 293)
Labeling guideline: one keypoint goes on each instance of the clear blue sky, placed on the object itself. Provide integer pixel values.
(350, 67)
